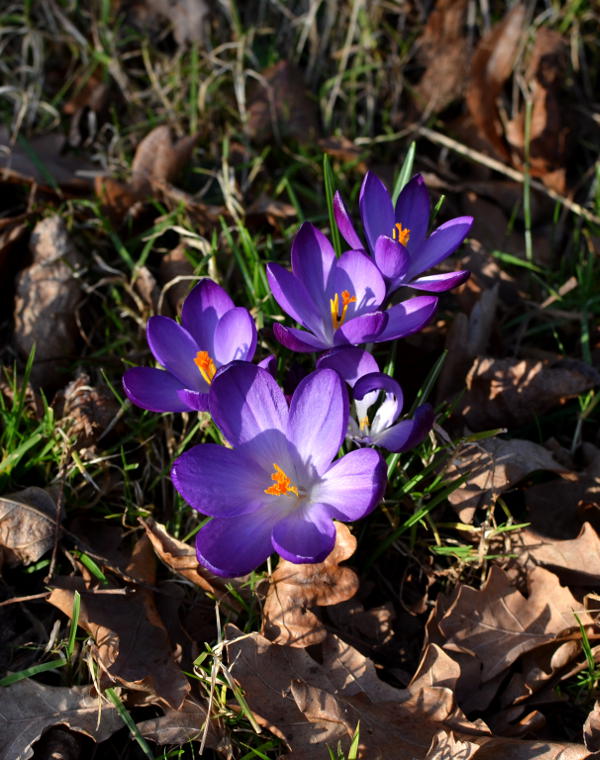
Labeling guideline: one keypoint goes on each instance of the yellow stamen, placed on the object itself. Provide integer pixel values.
(206, 366)
(282, 485)
(401, 234)
(337, 320)
(364, 422)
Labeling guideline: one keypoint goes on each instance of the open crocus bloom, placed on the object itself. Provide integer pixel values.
(277, 488)
(382, 429)
(397, 237)
(213, 332)
(338, 301)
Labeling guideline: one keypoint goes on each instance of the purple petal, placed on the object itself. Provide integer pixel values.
(218, 481)
(344, 223)
(440, 244)
(350, 362)
(361, 329)
(391, 257)
(245, 401)
(408, 317)
(394, 399)
(413, 209)
(269, 363)
(353, 486)
(196, 400)
(356, 273)
(201, 311)
(376, 209)
(306, 535)
(235, 337)
(318, 419)
(154, 389)
(298, 340)
(175, 349)
(293, 297)
(312, 259)
(440, 283)
(408, 433)
(232, 548)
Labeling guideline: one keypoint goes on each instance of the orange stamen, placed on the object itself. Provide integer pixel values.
(337, 320)
(206, 366)
(282, 485)
(401, 234)
(364, 422)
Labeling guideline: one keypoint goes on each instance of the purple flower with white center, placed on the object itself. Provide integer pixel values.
(359, 369)
(277, 488)
(397, 237)
(338, 301)
(213, 332)
(383, 429)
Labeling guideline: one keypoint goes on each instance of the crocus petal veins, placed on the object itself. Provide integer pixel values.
(206, 365)
(282, 485)
(401, 234)
(337, 319)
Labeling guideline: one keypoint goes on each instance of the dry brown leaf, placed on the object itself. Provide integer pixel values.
(274, 211)
(85, 410)
(28, 708)
(183, 725)
(294, 589)
(436, 668)
(498, 624)
(280, 106)
(158, 159)
(443, 49)
(175, 265)
(511, 392)
(27, 525)
(493, 466)
(575, 561)
(446, 747)
(491, 66)
(591, 729)
(47, 294)
(187, 17)
(132, 646)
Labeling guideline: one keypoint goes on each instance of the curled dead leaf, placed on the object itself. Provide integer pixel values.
(294, 589)
(27, 525)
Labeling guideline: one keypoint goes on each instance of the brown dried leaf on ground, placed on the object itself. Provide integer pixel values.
(132, 646)
(498, 624)
(184, 725)
(491, 67)
(187, 17)
(47, 295)
(511, 392)
(175, 275)
(27, 526)
(436, 668)
(544, 77)
(575, 561)
(446, 747)
(28, 708)
(280, 106)
(294, 589)
(41, 160)
(159, 159)
(492, 467)
(275, 212)
(591, 729)
(443, 49)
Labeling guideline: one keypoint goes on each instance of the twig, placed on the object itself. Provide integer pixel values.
(30, 598)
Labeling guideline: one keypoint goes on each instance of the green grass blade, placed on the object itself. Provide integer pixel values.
(329, 193)
(405, 172)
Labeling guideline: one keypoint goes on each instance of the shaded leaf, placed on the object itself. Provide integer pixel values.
(158, 159)
(294, 589)
(28, 708)
(27, 525)
(183, 725)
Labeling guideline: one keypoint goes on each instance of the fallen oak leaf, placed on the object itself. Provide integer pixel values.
(28, 708)
(159, 159)
(184, 725)
(27, 525)
(497, 624)
(294, 589)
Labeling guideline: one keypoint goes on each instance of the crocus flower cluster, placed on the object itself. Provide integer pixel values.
(279, 482)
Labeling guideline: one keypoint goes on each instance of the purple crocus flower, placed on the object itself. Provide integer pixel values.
(359, 369)
(213, 332)
(277, 488)
(397, 237)
(338, 301)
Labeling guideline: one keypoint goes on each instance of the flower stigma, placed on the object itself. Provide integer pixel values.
(364, 423)
(282, 485)
(401, 234)
(206, 365)
(337, 319)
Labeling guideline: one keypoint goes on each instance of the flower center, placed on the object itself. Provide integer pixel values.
(206, 365)
(337, 319)
(401, 234)
(282, 485)
(364, 423)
